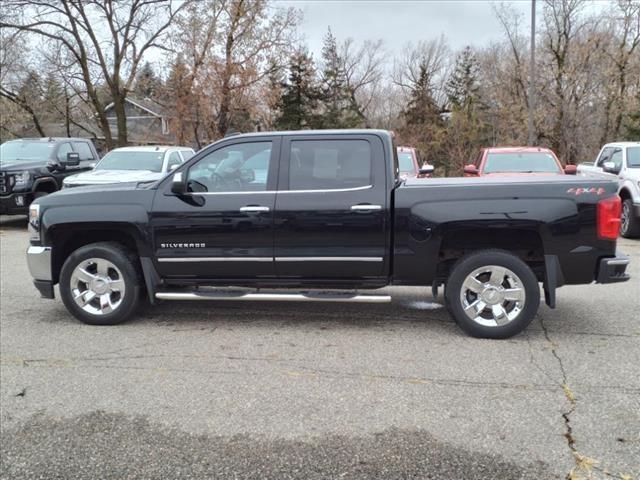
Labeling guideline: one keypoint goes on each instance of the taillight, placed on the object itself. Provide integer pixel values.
(609, 211)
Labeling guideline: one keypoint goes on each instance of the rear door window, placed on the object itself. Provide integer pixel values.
(329, 164)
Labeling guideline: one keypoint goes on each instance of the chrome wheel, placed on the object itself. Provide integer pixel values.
(97, 286)
(625, 218)
(492, 296)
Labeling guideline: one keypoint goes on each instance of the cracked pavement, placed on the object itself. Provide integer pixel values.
(277, 390)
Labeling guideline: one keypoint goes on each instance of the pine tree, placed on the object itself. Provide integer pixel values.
(422, 107)
(338, 111)
(299, 101)
(147, 84)
(462, 88)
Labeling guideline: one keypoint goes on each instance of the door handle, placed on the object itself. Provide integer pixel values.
(365, 208)
(254, 209)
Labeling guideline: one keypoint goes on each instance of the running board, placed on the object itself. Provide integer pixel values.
(273, 297)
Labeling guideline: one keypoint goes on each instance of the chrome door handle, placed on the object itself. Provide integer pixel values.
(254, 209)
(365, 208)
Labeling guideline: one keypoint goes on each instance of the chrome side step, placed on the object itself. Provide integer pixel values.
(243, 296)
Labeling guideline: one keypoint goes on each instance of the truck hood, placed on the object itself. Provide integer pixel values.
(21, 165)
(104, 177)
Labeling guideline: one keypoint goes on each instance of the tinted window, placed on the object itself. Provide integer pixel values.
(235, 168)
(63, 150)
(25, 151)
(131, 160)
(633, 157)
(520, 163)
(329, 164)
(83, 150)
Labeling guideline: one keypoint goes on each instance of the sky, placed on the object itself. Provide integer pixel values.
(396, 22)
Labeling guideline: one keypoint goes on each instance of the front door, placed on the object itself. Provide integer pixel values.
(223, 227)
(331, 210)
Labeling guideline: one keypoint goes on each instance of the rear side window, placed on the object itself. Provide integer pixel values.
(329, 164)
(83, 150)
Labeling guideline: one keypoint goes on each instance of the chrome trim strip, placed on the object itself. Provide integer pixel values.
(329, 259)
(215, 259)
(254, 209)
(622, 261)
(39, 262)
(355, 189)
(272, 297)
(365, 208)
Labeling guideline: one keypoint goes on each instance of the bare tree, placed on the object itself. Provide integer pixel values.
(110, 54)
(364, 71)
(433, 57)
(623, 35)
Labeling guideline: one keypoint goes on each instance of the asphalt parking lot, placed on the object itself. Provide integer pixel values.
(276, 390)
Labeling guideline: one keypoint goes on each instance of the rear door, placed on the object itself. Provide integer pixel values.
(223, 228)
(331, 208)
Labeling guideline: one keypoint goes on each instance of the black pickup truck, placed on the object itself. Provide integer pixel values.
(315, 215)
(34, 167)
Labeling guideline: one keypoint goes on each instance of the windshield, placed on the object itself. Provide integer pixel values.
(26, 151)
(521, 163)
(406, 162)
(128, 160)
(633, 157)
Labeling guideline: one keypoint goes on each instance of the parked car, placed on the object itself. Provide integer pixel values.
(410, 164)
(33, 167)
(622, 160)
(330, 213)
(132, 164)
(517, 161)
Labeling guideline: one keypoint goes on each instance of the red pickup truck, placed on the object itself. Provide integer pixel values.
(515, 161)
(410, 165)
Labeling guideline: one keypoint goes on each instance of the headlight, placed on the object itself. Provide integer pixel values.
(34, 222)
(22, 178)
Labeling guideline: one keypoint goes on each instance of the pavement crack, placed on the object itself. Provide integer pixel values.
(584, 466)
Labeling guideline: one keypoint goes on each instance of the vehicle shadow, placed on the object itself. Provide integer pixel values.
(13, 222)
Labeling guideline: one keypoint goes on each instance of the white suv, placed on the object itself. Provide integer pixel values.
(622, 159)
(132, 164)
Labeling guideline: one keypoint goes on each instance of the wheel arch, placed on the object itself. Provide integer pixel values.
(67, 238)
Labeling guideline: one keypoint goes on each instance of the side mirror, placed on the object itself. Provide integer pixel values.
(178, 185)
(470, 170)
(609, 167)
(72, 160)
(570, 170)
(426, 169)
(173, 167)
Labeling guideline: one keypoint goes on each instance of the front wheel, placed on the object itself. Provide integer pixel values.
(629, 224)
(492, 294)
(99, 284)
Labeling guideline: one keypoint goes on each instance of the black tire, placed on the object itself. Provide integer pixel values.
(485, 258)
(630, 228)
(125, 263)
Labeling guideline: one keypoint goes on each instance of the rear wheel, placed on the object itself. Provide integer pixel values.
(629, 224)
(99, 284)
(492, 294)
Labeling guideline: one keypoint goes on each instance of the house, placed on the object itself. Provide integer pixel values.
(147, 122)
